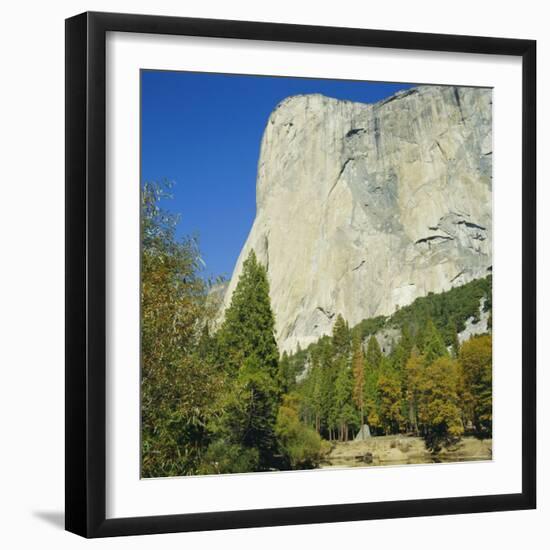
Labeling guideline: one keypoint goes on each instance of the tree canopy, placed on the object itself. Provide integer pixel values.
(177, 386)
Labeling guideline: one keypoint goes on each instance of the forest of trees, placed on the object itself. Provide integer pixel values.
(221, 399)
(421, 387)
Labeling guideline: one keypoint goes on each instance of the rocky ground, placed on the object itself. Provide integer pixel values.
(401, 449)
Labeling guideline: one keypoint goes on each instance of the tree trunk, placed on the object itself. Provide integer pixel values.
(412, 416)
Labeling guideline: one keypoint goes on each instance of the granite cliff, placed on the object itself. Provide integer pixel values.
(361, 208)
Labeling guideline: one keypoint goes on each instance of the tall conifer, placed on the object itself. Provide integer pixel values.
(434, 345)
(374, 354)
(358, 366)
(249, 352)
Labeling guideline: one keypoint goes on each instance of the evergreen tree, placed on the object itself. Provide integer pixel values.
(389, 392)
(414, 371)
(327, 379)
(455, 343)
(406, 341)
(371, 400)
(317, 395)
(286, 375)
(310, 391)
(400, 355)
(358, 366)
(341, 338)
(248, 412)
(434, 345)
(374, 354)
(419, 339)
(249, 352)
(343, 410)
(248, 330)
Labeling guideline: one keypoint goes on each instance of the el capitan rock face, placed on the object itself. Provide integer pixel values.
(361, 208)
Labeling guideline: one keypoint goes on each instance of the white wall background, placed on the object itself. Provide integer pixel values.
(32, 271)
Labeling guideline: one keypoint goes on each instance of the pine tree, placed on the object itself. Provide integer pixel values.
(248, 329)
(406, 340)
(371, 399)
(374, 354)
(309, 389)
(372, 370)
(316, 395)
(341, 338)
(327, 380)
(413, 372)
(434, 345)
(358, 366)
(418, 340)
(389, 391)
(286, 377)
(343, 410)
(455, 343)
(249, 352)
(399, 357)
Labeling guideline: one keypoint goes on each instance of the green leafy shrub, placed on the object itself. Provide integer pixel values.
(301, 446)
(223, 457)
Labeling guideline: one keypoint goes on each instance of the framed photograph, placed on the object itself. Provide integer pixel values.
(300, 274)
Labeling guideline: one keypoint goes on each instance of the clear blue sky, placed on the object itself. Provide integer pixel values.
(203, 132)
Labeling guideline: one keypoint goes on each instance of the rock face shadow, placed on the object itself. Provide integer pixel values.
(54, 518)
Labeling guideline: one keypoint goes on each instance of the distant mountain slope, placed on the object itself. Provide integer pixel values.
(363, 208)
(465, 310)
(461, 312)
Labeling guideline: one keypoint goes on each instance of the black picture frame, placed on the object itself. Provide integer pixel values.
(86, 274)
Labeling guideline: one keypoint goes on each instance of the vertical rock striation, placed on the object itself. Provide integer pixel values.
(361, 208)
